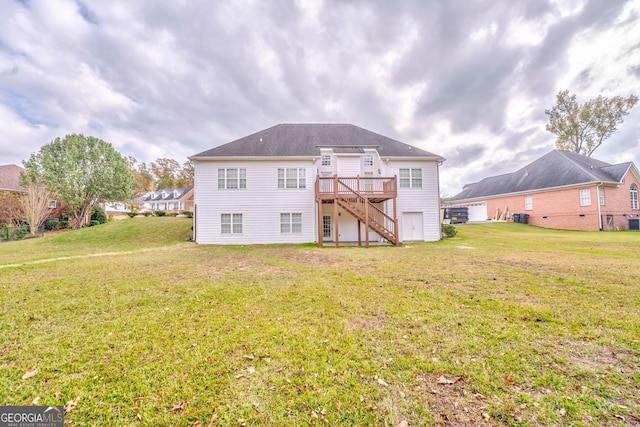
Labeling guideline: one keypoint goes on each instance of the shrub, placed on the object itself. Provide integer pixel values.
(132, 214)
(20, 232)
(94, 222)
(449, 230)
(146, 214)
(98, 215)
(52, 224)
(160, 213)
(64, 224)
(188, 214)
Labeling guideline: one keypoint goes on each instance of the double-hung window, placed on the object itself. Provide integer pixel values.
(292, 178)
(290, 223)
(585, 197)
(367, 160)
(231, 223)
(326, 160)
(528, 203)
(634, 196)
(232, 178)
(411, 178)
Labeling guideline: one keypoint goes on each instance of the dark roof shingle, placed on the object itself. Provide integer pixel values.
(306, 140)
(554, 169)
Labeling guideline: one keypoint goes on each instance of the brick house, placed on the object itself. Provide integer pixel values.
(562, 190)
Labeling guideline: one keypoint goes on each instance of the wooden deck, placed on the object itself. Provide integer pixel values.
(357, 196)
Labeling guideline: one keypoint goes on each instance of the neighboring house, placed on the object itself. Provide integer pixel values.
(10, 182)
(300, 183)
(168, 200)
(561, 190)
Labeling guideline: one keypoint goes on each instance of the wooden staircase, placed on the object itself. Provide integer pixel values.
(365, 211)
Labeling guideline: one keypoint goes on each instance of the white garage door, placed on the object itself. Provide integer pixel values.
(412, 229)
(478, 212)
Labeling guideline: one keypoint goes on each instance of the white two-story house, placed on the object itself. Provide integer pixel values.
(301, 183)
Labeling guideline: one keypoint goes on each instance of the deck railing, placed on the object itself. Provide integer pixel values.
(368, 187)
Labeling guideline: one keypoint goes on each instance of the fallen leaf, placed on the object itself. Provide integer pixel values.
(314, 415)
(508, 379)
(58, 393)
(485, 416)
(30, 372)
(562, 412)
(213, 419)
(197, 424)
(479, 396)
(382, 382)
(241, 422)
(251, 369)
(442, 380)
(402, 423)
(35, 401)
(71, 404)
(249, 357)
(177, 406)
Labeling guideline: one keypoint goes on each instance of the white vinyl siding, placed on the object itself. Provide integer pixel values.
(291, 223)
(528, 203)
(262, 203)
(585, 197)
(292, 178)
(411, 178)
(232, 178)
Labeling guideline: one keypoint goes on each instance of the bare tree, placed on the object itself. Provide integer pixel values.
(10, 208)
(35, 205)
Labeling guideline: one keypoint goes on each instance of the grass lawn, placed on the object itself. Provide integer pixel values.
(506, 324)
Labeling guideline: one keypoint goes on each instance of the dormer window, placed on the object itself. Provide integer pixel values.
(176, 194)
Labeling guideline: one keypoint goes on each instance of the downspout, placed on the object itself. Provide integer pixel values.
(599, 211)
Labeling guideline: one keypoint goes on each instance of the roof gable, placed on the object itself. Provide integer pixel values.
(306, 140)
(554, 169)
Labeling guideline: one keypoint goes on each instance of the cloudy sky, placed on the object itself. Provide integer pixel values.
(466, 79)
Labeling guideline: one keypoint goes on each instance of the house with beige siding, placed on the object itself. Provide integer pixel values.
(561, 189)
(325, 183)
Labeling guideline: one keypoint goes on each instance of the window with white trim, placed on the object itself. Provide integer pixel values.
(585, 197)
(411, 178)
(290, 223)
(326, 160)
(292, 178)
(231, 223)
(52, 204)
(601, 196)
(367, 160)
(528, 203)
(634, 196)
(232, 178)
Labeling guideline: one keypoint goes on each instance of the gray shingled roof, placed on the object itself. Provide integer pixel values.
(554, 169)
(10, 178)
(305, 140)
